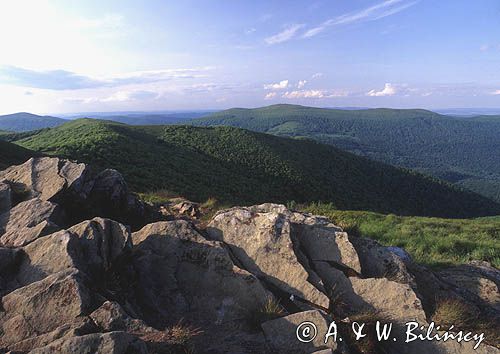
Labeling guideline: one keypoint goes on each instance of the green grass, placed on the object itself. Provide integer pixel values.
(434, 242)
(460, 150)
(238, 166)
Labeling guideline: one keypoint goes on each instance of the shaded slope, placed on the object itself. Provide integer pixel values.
(465, 151)
(11, 154)
(239, 166)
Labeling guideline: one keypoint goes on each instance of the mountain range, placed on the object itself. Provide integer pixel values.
(461, 150)
(238, 166)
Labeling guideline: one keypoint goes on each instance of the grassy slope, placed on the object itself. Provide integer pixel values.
(239, 166)
(431, 241)
(462, 151)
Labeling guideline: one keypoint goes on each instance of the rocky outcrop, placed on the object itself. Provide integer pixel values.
(81, 193)
(74, 280)
(316, 265)
(45, 177)
(317, 261)
(181, 274)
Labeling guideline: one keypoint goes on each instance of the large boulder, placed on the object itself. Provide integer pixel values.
(43, 306)
(44, 177)
(102, 242)
(78, 327)
(46, 256)
(482, 283)
(394, 300)
(379, 261)
(80, 192)
(111, 198)
(310, 258)
(182, 275)
(263, 243)
(28, 221)
(93, 246)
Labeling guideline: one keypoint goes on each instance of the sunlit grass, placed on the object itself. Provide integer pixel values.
(430, 241)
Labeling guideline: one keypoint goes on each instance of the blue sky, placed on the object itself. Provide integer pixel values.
(70, 56)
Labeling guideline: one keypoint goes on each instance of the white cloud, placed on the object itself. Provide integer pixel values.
(313, 94)
(496, 92)
(123, 96)
(316, 75)
(389, 90)
(250, 31)
(270, 96)
(285, 35)
(278, 86)
(301, 84)
(372, 13)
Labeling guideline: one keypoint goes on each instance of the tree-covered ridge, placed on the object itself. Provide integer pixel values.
(464, 151)
(240, 166)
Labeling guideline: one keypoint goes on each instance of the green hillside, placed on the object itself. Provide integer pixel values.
(11, 154)
(464, 151)
(239, 166)
(21, 122)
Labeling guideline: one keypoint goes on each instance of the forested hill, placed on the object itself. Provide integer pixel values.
(21, 122)
(242, 167)
(464, 151)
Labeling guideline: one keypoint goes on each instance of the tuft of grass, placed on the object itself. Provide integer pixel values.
(182, 334)
(210, 204)
(435, 242)
(454, 312)
(465, 317)
(210, 207)
(270, 310)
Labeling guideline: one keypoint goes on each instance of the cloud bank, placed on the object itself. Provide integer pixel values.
(67, 80)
